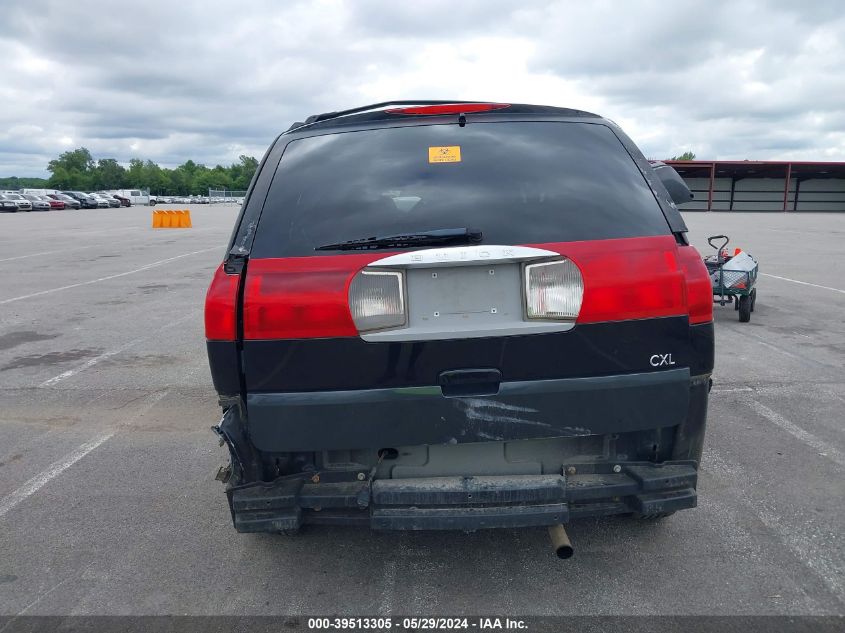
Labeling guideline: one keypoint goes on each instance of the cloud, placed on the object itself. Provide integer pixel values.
(208, 80)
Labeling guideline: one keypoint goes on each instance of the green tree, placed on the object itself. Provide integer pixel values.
(19, 183)
(154, 178)
(178, 180)
(688, 155)
(71, 170)
(108, 174)
(135, 173)
(77, 169)
(242, 173)
(79, 159)
(217, 178)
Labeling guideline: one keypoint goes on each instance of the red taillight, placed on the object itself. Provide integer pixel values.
(449, 108)
(221, 303)
(624, 279)
(699, 286)
(302, 297)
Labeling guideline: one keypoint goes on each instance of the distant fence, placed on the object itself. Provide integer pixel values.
(226, 196)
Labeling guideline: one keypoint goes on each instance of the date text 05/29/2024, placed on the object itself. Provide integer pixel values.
(416, 624)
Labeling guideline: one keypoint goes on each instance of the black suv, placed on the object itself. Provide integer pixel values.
(459, 315)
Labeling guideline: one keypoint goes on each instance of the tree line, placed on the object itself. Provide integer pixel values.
(76, 170)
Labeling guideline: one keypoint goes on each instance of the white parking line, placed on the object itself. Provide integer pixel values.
(804, 283)
(134, 229)
(819, 445)
(64, 250)
(94, 281)
(53, 470)
(804, 547)
(82, 248)
(93, 361)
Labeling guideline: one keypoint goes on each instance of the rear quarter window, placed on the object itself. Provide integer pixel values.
(517, 182)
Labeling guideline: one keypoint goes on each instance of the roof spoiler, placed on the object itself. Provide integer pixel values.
(325, 116)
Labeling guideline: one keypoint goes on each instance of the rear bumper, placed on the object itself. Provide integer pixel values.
(465, 503)
(378, 418)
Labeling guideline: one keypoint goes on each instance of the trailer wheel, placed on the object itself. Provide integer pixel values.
(736, 303)
(753, 298)
(744, 309)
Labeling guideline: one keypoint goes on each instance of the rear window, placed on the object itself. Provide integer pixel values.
(516, 182)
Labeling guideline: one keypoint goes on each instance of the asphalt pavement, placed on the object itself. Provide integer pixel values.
(108, 503)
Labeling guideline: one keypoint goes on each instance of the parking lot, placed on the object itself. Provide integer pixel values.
(108, 503)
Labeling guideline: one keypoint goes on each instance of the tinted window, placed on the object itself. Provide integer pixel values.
(519, 183)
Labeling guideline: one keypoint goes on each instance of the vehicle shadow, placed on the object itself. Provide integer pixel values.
(454, 567)
(513, 571)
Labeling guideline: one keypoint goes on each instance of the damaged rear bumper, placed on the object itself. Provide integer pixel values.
(463, 503)
(376, 418)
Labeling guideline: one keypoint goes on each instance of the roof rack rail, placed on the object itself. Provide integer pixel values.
(315, 118)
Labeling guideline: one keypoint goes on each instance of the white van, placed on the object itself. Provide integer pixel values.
(39, 192)
(136, 196)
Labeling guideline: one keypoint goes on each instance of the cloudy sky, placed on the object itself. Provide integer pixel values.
(209, 80)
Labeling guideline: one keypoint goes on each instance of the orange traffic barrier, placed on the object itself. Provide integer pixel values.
(171, 219)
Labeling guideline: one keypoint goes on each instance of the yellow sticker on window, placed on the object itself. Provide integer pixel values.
(448, 154)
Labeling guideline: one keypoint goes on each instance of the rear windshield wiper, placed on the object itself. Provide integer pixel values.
(436, 236)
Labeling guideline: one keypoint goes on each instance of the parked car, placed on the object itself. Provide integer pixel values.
(7, 206)
(70, 202)
(110, 201)
(18, 199)
(84, 199)
(56, 205)
(458, 316)
(124, 201)
(110, 198)
(102, 203)
(37, 203)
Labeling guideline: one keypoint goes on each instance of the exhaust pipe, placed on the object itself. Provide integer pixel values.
(560, 541)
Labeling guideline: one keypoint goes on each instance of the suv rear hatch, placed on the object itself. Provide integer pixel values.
(570, 317)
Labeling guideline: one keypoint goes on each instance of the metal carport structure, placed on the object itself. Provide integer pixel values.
(751, 185)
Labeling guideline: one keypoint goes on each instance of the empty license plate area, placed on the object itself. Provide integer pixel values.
(464, 297)
(474, 301)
